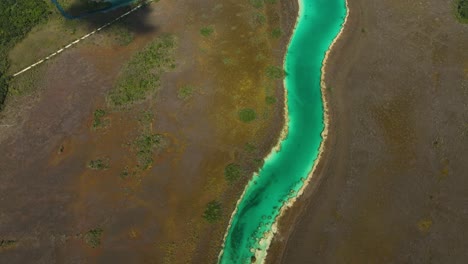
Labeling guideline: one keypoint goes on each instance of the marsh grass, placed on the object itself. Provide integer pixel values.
(7, 243)
(276, 33)
(99, 120)
(185, 92)
(93, 237)
(270, 100)
(247, 115)
(141, 76)
(232, 172)
(145, 145)
(206, 31)
(213, 211)
(461, 10)
(99, 164)
(275, 72)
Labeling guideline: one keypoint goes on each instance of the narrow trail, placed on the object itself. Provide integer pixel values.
(80, 39)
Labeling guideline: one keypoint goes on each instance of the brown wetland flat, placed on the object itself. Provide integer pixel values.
(50, 198)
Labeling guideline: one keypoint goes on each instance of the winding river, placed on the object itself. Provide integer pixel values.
(285, 172)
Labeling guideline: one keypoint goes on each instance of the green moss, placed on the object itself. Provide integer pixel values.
(247, 115)
(232, 172)
(213, 211)
(93, 237)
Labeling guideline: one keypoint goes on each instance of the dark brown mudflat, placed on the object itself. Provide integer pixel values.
(392, 187)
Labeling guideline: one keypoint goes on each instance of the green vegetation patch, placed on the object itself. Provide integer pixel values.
(7, 243)
(17, 18)
(232, 172)
(99, 120)
(275, 72)
(93, 237)
(271, 100)
(206, 31)
(276, 33)
(462, 10)
(99, 164)
(213, 211)
(185, 92)
(140, 78)
(247, 115)
(145, 145)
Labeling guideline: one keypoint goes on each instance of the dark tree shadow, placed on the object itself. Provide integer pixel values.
(94, 17)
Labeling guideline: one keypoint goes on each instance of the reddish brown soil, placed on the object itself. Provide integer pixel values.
(49, 196)
(391, 187)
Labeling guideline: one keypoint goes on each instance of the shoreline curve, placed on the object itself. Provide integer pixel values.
(261, 255)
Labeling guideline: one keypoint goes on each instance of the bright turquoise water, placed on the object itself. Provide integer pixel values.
(283, 173)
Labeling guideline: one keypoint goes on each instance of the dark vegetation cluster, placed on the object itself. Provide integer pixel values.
(247, 115)
(462, 10)
(84, 6)
(17, 18)
(99, 119)
(99, 164)
(7, 243)
(141, 76)
(93, 237)
(213, 211)
(145, 145)
(232, 172)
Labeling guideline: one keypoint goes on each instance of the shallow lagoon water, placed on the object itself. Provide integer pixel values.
(284, 172)
(114, 5)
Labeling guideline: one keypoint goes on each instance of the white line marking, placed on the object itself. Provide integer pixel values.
(82, 38)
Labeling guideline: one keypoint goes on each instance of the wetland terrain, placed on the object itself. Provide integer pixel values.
(134, 144)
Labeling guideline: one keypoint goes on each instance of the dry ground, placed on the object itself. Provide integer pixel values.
(392, 187)
(50, 199)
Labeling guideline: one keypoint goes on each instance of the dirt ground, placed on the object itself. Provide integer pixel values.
(392, 187)
(49, 199)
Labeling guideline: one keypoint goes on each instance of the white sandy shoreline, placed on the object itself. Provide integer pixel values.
(260, 255)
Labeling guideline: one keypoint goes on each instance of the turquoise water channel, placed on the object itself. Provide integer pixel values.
(284, 172)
